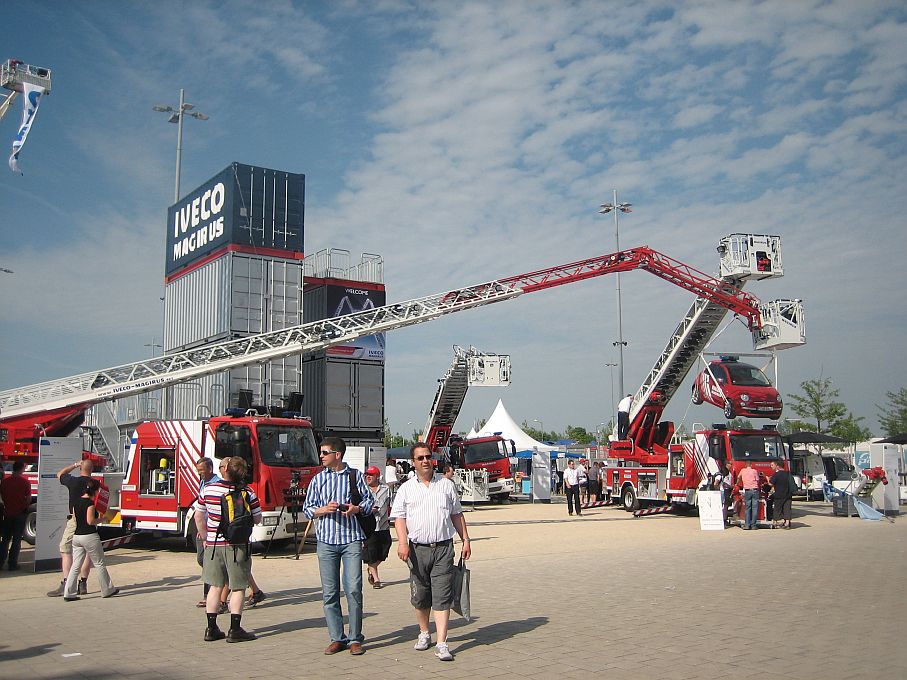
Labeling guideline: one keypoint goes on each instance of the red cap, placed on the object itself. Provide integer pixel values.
(372, 470)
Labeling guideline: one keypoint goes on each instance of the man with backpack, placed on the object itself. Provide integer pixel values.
(230, 509)
(336, 496)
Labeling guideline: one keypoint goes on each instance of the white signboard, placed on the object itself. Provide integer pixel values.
(541, 476)
(711, 511)
(54, 453)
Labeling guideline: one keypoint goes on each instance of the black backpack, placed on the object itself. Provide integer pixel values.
(236, 516)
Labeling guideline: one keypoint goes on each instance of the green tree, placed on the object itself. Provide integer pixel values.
(893, 416)
(788, 425)
(579, 434)
(740, 424)
(819, 404)
(849, 428)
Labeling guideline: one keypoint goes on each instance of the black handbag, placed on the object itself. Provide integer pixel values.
(368, 523)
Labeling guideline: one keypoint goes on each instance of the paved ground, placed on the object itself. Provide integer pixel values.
(605, 595)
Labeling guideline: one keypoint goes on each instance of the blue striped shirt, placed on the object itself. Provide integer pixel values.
(337, 528)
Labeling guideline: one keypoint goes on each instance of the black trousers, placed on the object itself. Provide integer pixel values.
(623, 424)
(573, 499)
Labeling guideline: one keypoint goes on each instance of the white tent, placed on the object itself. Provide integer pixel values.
(500, 421)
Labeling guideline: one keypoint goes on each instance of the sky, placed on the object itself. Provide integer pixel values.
(467, 141)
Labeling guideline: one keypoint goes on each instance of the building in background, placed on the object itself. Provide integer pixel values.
(235, 266)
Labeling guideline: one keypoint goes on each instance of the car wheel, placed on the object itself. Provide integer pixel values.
(728, 409)
(629, 500)
(697, 398)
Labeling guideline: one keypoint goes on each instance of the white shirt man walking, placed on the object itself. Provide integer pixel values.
(426, 514)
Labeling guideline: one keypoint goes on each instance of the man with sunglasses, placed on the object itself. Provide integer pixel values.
(339, 542)
(427, 514)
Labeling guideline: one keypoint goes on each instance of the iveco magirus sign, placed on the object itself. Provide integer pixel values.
(244, 205)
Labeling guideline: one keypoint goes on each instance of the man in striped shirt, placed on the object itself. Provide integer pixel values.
(426, 514)
(339, 542)
(226, 566)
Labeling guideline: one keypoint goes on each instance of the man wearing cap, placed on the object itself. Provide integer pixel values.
(427, 514)
(376, 547)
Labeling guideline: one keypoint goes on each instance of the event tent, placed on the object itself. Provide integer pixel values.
(500, 421)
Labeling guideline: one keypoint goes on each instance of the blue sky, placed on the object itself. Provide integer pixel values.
(466, 141)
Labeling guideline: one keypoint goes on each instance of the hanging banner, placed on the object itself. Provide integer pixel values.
(30, 101)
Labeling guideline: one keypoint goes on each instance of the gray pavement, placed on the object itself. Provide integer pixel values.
(604, 595)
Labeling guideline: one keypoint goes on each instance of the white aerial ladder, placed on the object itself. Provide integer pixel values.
(14, 74)
(469, 368)
(81, 391)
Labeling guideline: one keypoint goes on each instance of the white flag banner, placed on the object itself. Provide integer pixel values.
(31, 99)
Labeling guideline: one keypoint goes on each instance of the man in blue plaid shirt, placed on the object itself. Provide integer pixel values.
(339, 542)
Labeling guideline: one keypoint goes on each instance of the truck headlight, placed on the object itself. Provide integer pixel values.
(269, 521)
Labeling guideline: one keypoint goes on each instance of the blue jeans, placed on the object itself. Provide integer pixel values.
(751, 501)
(330, 558)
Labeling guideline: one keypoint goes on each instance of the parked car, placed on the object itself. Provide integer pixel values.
(740, 389)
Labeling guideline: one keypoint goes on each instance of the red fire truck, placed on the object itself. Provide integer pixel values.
(161, 482)
(647, 469)
(491, 452)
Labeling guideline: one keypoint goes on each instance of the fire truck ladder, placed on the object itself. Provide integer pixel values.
(744, 257)
(143, 376)
(451, 392)
(13, 74)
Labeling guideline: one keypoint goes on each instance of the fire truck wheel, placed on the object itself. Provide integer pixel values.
(696, 398)
(729, 410)
(31, 524)
(630, 502)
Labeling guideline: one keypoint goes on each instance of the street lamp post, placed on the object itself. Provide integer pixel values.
(541, 427)
(611, 365)
(176, 116)
(616, 208)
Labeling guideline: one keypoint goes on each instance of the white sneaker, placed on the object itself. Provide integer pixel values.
(443, 653)
(424, 642)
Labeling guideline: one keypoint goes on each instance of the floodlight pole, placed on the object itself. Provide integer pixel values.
(616, 207)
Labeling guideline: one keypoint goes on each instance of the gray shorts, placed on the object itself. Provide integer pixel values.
(68, 532)
(229, 565)
(431, 571)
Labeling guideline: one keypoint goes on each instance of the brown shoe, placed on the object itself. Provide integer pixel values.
(356, 649)
(334, 647)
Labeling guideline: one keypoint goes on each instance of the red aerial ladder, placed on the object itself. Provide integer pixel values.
(55, 407)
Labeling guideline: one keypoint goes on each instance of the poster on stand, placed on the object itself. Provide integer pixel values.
(711, 511)
(54, 454)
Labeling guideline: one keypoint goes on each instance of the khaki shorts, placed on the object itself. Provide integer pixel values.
(68, 533)
(229, 565)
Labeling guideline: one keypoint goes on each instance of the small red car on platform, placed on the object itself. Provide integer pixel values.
(740, 389)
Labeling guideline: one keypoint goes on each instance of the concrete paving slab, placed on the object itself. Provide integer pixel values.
(605, 595)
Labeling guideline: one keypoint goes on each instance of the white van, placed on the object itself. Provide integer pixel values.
(813, 469)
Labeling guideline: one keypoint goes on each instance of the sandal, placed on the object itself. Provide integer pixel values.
(371, 579)
(377, 585)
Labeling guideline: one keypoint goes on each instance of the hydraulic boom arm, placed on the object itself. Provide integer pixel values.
(143, 376)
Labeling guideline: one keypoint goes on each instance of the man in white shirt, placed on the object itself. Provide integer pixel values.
(623, 416)
(426, 514)
(571, 487)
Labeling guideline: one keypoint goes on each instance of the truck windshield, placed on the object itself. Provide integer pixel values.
(483, 452)
(757, 447)
(745, 375)
(287, 446)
